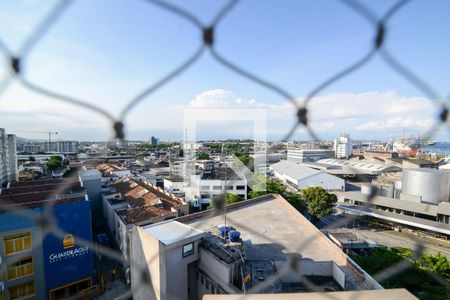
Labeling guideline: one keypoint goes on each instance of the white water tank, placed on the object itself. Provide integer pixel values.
(431, 185)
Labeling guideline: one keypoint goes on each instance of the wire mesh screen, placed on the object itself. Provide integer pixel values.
(17, 72)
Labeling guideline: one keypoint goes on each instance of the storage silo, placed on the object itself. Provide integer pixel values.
(433, 186)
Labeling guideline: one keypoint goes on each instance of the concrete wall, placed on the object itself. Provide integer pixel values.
(145, 249)
(312, 268)
(176, 268)
(210, 264)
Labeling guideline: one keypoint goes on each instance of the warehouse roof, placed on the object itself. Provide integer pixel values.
(294, 170)
(360, 167)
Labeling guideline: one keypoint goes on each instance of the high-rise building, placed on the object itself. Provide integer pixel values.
(8, 157)
(62, 146)
(154, 140)
(343, 146)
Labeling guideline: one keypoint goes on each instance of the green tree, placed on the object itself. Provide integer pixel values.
(229, 199)
(203, 156)
(53, 163)
(319, 202)
(233, 198)
(295, 200)
(273, 186)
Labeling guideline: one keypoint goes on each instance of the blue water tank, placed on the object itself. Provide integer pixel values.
(223, 230)
(234, 236)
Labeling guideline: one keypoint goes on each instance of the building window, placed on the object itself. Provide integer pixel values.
(79, 289)
(204, 187)
(202, 280)
(22, 291)
(17, 243)
(188, 249)
(217, 187)
(207, 284)
(240, 187)
(228, 187)
(23, 267)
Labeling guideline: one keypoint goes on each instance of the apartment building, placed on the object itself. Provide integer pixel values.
(199, 255)
(35, 265)
(8, 157)
(62, 146)
(343, 146)
(130, 202)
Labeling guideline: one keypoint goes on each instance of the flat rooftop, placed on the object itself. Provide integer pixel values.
(271, 229)
(171, 232)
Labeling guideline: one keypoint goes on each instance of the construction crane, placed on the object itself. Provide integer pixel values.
(46, 132)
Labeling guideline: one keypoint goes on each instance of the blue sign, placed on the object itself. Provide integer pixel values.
(65, 260)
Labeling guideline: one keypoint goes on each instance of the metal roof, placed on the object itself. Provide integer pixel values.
(360, 167)
(294, 170)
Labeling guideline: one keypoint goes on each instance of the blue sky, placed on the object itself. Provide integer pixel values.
(107, 51)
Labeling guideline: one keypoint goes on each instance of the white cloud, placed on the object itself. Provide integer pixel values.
(363, 115)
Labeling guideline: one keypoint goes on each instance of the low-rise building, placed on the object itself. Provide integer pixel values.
(255, 251)
(220, 180)
(300, 176)
(37, 265)
(131, 202)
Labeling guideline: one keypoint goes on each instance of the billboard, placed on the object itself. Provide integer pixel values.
(65, 260)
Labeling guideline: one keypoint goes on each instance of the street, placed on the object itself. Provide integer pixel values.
(382, 235)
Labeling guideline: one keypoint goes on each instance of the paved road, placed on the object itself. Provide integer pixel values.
(385, 236)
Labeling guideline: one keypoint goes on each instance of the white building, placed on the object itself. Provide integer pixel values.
(182, 168)
(343, 147)
(221, 180)
(62, 146)
(308, 155)
(300, 176)
(8, 157)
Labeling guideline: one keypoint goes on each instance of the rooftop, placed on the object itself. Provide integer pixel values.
(221, 173)
(294, 170)
(171, 232)
(32, 194)
(145, 200)
(360, 167)
(271, 229)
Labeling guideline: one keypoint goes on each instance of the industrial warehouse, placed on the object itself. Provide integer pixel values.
(420, 199)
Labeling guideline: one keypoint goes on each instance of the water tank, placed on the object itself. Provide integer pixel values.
(430, 184)
(234, 236)
(223, 230)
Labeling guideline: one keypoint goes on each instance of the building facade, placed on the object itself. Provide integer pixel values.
(62, 146)
(35, 265)
(308, 155)
(8, 157)
(343, 147)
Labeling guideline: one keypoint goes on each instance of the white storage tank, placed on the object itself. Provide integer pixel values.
(431, 185)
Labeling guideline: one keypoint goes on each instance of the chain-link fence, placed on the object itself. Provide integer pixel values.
(17, 62)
